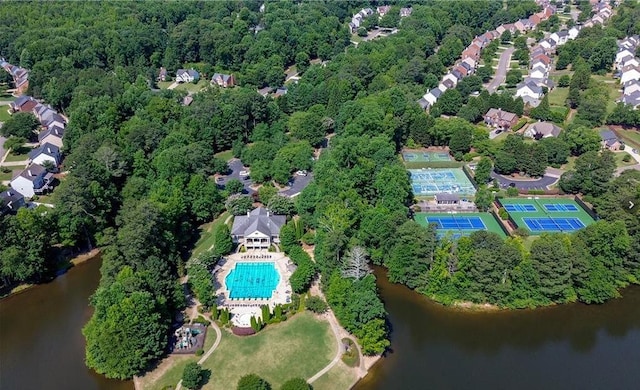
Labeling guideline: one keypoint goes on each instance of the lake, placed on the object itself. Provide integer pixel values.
(567, 347)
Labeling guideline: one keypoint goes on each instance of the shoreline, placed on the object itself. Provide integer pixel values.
(72, 262)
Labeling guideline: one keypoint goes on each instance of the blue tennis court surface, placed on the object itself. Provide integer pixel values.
(553, 224)
(458, 223)
(520, 208)
(560, 207)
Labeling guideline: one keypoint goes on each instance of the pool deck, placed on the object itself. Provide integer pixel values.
(243, 309)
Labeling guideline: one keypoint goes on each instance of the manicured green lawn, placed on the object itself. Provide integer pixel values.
(164, 84)
(338, 377)
(4, 114)
(226, 155)
(6, 176)
(193, 88)
(620, 156)
(298, 347)
(558, 96)
(631, 137)
(206, 235)
(18, 157)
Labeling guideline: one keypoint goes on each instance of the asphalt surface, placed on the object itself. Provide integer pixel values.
(235, 165)
(501, 72)
(540, 184)
(299, 183)
(2, 151)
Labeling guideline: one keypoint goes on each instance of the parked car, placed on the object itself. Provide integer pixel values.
(301, 173)
(244, 173)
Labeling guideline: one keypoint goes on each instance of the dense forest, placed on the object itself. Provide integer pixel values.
(140, 162)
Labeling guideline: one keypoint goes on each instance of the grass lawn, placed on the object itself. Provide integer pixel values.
(558, 96)
(6, 176)
(206, 234)
(339, 377)
(631, 137)
(571, 163)
(164, 84)
(298, 347)
(193, 88)
(172, 376)
(226, 155)
(4, 114)
(620, 163)
(614, 89)
(18, 157)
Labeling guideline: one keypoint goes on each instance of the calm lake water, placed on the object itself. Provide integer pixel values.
(567, 347)
(41, 344)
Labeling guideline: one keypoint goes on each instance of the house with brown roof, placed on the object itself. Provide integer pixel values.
(23, 104)
(497, 118)
(223, 80)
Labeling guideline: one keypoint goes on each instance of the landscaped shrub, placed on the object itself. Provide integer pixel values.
(199, 352)
(503, 214)
(309, 238)
(296, 384)
(266, 313)
(303, 275)
(520, 124)
(201, 320)
(316, 305)
(350, 357)
(224, 316)
(512, 192)
(253, 382)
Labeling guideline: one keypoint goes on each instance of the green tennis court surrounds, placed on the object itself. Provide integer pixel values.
(431, 181)
(541, 215)
(458, 225)
(420, 156)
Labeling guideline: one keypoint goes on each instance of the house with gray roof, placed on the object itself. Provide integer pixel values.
(610, 140)
(542, 130)
(258, 229)
(10, 201)
(33, 180)
(187, 75)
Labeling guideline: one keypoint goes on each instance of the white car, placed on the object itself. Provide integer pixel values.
(301, 173)
(244, 173)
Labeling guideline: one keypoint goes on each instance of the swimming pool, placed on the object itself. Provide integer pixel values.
(252, 280)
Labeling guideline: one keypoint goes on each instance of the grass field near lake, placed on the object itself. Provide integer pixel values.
(298, 347)
(339, 377)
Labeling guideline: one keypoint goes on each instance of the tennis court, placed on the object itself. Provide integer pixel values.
(553, 224)
(546, 214)
(459, 225)
(416, 156)
(431, 181)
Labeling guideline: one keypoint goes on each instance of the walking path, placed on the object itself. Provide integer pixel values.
(501, 72)
(339, 333)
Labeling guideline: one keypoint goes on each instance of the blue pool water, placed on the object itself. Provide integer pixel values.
(252, 280)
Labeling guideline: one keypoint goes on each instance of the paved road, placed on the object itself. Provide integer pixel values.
(540, 184)
(2, 151)
(299, 184)
(501, 72)
(235, 165)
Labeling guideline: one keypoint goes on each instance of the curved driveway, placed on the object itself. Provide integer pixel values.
(540, 184)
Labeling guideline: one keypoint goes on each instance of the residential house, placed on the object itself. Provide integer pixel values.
(424, 103)
(535, 19)
(52, 135)
(23, 103)
(383, 10)
(457, 74)
(621, 64)
(405, 11)
(530, 89)
(629, 74)
(561, 37)
(472, 51)
(481, 41)
(162, 75)
(53, 119)
(632, 99)
(187, 75)
(46, 152)
(10, 202)
(598, 19)
(548, 44)
(448, 84)
(573, 32)
(541, 130)
(631, 87)
(609, 140)
(538, 72)
(280, 92)
(501, 29)
(629, 62)
(471, 62)
(463, 71)
(498, 118)
(624, 53)
(433, 95)
(629, 43)
(469, 68)
(259, 229)
(524, 25)
(33, 180)
(450, 76)
(223, 80)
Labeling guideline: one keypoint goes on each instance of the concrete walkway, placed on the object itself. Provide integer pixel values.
(339, 333)
(173, 85)
(501, 72)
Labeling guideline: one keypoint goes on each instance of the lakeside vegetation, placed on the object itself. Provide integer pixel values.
(141, 164)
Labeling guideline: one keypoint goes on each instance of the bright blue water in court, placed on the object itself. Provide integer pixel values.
(252, 281)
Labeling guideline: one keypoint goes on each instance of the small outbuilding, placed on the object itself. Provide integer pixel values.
(449, 199)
